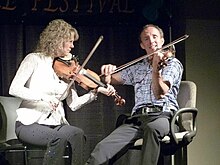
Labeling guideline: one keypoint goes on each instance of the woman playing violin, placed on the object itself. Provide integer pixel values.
(40, 117)
(155, 90)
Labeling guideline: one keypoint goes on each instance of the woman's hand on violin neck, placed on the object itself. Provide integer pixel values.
(109, 90)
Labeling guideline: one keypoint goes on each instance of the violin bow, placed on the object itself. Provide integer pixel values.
(147, 55)
(81, 67)
(83, 64)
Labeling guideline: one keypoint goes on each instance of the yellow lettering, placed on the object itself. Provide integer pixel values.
(101, 4)
(8, 7)
(120, 6)
(115, 3)
(126, 10)
(49, 7)
(77, 6)
(66, 6)
(90, 7)
(34, 8)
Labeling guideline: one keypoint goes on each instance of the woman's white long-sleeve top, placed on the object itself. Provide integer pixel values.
(36, 81)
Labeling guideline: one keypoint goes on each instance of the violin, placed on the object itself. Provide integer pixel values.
(67, 67)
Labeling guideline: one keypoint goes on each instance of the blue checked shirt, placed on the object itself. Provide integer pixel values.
(140, 76)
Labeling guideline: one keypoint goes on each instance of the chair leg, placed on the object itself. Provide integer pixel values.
(160, 160)
(180, 157)
(25, 156)
(164, 160)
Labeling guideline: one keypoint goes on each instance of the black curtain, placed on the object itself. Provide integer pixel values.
(120, 45)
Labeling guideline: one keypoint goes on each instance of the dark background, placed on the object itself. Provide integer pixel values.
(21, 24)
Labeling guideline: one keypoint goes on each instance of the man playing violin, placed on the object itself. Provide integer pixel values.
(156, 90)
(41, 117)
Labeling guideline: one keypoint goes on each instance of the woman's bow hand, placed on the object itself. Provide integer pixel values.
(53, 102)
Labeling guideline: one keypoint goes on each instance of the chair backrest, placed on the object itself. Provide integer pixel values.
(8, 117)
(187, 98)
(187, 94)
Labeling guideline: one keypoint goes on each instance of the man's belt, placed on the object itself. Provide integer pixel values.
(148, 110)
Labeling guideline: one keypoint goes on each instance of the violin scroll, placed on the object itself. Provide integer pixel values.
(119, 100)
(170, 52)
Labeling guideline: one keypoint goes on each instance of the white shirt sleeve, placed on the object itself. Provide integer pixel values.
(76, 102)
(18, 86)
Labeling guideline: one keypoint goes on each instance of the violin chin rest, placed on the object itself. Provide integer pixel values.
(67, 57)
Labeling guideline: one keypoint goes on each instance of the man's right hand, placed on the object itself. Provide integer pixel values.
(107, 70)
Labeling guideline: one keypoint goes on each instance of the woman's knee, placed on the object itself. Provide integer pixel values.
(72, 130)
(78, 132)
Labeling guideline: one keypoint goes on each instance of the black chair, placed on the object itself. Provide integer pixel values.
(173, 146)
(9, 144)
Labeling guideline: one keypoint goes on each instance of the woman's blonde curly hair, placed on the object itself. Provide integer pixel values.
(54, 35)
